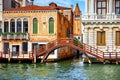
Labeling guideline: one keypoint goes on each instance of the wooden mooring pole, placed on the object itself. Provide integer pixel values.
(35, 48)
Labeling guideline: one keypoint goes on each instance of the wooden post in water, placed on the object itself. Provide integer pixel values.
(9, 55)
(35, 54)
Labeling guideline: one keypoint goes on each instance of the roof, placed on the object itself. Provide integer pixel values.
(36, 7)
(30, 7)
(77, 10)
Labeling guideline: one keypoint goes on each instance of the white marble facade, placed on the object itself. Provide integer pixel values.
(107, 20)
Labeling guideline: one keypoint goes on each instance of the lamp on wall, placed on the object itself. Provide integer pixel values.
(44, 23)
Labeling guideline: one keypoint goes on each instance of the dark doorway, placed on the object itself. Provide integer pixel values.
(33, 45)
(6, 46)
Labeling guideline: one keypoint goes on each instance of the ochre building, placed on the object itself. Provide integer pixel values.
(25, 27)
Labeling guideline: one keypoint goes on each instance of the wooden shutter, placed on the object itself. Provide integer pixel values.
(25, 47)
(118, 38)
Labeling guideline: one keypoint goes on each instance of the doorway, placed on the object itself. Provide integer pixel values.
(15, 50)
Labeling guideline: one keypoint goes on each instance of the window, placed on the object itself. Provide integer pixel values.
(117, 6)
(18, 25)
(12, 4)
(101, 38)
(6, 27)
(101, 7)
(24, 47)
(67, 32)
(51, 25)
(6, 46)
(12, 25)
(25, 25)
(117, 38)
(35, 26)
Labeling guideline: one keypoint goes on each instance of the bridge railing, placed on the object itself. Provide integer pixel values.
(93, 50)
(111, 55)
(16, 55)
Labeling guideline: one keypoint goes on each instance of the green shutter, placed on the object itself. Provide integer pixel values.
(35, 28)
(51, 27)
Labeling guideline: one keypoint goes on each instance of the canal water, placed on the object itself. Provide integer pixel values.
(65, 70)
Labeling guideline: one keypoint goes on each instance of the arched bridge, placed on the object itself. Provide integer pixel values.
(86, 49)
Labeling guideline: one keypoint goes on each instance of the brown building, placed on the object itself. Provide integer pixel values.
(77, 30)
(32, 25)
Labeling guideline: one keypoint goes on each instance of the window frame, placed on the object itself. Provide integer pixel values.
(101, 8)
(52, 19)
(117, 38)
(12, 25)
(117, 7)
(36, 32)
(25, 22)
(6, 26)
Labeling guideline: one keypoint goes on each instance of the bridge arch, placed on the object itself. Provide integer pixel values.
(58, 47)
(86, 49)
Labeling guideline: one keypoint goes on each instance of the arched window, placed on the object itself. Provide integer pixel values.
(51, 25)
(18, 25)
(35, 26)
(6, 26)
(12, 25)
(25, 25)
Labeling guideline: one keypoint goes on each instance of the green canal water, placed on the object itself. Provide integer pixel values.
(64, 70)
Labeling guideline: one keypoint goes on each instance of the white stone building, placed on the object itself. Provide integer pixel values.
(16, 3)
(102, 24)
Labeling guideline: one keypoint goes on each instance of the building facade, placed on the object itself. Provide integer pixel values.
(25, 27)
(102, 24)
(7, 4)
(16, 3)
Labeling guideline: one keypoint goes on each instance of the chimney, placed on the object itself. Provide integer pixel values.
(72, 7)
(32, 2)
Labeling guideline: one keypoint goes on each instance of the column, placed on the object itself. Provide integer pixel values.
(86, 6)
(110, 39)
(92, 4)
(29, 24)
(110, 6)
(22, 25)
(92, 36)
(15, 25)
(85, 36)
(107, 5)
(9, 25)
(95, 6)
(113, 6)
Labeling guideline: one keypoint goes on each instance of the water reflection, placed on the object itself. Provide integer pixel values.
(65, 70)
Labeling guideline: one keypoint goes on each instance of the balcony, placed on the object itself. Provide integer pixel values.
(107, 17)
(15, 36)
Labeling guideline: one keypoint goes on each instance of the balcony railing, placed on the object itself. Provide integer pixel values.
(101, 17)
(15, 36)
